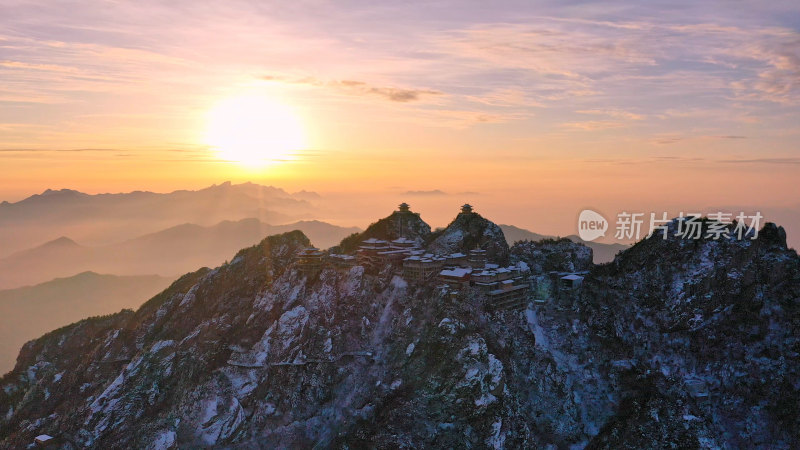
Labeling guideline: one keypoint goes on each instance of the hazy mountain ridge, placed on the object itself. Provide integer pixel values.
(168, 252)
(28, 312)
(103, 219)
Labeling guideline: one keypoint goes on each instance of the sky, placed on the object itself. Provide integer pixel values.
(529, 110)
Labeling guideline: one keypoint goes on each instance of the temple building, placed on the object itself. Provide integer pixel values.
(421, 268)
(456, 278)
(504, 287)
(488, 279)
(566, 284)
(477, 258)
(342, 261)
(508, 295)
(403, 242)
(376, 253)
(368, 252)
(570, 282)
(45, 441)
(310, 261)
(457, 260)
(393, 256)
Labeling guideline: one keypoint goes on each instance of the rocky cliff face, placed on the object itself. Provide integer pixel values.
(254, 355)
(724, 314)
(469, 231)
(561, 255)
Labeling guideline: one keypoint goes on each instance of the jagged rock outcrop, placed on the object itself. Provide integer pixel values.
(402, 223)
(254, 355)
(469, 230)
(561, 255)
(724, 314)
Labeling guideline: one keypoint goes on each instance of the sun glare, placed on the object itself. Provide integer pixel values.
(254, 131)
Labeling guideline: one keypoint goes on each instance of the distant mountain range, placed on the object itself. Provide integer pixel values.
(28, 312)
(108, 218)
(602, 253)
(168, 252)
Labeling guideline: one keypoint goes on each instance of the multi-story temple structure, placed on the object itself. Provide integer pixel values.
(310, 261)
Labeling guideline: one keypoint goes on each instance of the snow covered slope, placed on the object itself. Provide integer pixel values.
(677, 344)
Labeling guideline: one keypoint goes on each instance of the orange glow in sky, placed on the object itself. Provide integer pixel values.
(531, 113)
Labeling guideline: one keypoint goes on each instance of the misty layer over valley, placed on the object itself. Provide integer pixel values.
(170, 252)
(29, 312)
(61, 281)
(104, 219)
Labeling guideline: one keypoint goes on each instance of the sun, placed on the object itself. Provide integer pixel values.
(254, 131)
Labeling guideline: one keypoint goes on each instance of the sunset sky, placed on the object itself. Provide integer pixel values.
(529, 110)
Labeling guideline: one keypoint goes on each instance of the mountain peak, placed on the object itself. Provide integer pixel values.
(470, 230)
(224, 184)
(308, 195)
(62, 241)
(773, 235)
(53, 192)
(705, 252)
(400, 223)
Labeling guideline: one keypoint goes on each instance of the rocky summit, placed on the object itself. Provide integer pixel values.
(470, 230)
(561, 255)
(401, 223)
(676, 344)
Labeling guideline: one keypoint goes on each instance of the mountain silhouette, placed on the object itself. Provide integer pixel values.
(168, 252)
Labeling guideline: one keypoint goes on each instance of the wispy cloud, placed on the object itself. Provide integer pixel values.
(593, 125)
(354, 87)
(613, 113)
(665, 140)
(433, 192)
(693, 160)
(762, 161)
